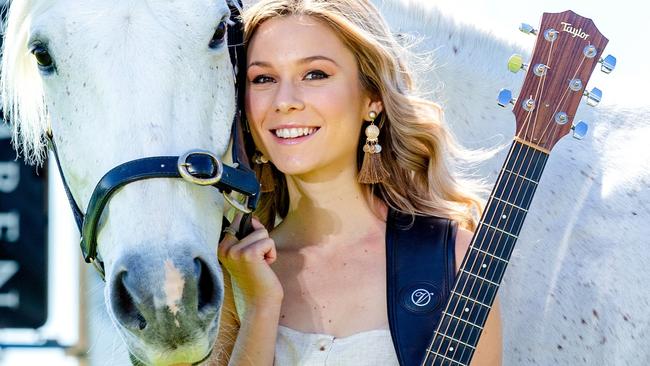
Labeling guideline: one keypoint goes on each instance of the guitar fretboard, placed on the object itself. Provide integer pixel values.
(482, 270)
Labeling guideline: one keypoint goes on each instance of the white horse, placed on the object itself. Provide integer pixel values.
(117, 82)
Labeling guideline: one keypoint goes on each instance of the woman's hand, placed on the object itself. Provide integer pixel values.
(249, 263)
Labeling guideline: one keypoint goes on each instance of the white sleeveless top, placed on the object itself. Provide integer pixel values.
(370, 348)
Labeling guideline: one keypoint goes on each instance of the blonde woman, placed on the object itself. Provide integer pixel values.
(309, 287)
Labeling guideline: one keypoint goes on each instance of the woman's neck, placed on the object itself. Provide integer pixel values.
(331, 210)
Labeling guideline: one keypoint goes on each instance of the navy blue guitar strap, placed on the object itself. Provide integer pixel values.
(420, 271)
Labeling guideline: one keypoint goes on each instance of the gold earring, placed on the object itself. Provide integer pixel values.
(372, 170)
(264, 172)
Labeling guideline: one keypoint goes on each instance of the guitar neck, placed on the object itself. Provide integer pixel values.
(482, 270)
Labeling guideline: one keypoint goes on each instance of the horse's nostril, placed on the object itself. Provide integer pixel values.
(207, 292)
(124, 307)
(142, 322)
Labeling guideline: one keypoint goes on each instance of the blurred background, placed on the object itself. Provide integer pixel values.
(51, 303)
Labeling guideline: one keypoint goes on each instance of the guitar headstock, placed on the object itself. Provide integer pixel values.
(567, 50)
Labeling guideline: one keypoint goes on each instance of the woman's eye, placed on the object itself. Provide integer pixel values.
(219, 35)
(262, 79)
(316, 75)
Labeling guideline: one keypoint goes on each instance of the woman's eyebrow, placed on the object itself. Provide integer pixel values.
(317, 58)
(260, 64)
(305, 60)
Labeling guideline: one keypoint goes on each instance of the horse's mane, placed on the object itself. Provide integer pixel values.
(21, 84)
(444, 37)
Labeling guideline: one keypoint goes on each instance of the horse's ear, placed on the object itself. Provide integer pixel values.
(238, 4)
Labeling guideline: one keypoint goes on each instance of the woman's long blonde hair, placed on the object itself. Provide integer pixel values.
(417, 148)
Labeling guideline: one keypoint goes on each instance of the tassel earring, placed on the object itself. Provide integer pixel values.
(372, 169)
(264, 172)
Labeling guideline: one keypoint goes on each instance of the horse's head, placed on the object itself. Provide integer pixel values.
(116, 82)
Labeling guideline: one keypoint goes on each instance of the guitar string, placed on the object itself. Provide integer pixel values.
(555, 125)
(541, 90)
(506, 218)
(465, 284)
(540, 154)
(476, 258)
(542, 138)
(498, 234)
(454, 293)
(474, 304)
(483, 283)
(510, 207)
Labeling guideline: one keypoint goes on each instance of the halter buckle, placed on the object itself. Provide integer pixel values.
(184, 168)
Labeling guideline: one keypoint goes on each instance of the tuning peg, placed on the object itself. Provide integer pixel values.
(528, 29)
(505, 98)
(516, 63)
(580, 130)
(608, 64)
(593, 97)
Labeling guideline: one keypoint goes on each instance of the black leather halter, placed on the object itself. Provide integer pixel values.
(195, 166)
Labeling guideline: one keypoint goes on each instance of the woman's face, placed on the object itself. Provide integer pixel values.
(304, 100)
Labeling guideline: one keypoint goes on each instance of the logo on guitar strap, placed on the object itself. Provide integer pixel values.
(421, 297)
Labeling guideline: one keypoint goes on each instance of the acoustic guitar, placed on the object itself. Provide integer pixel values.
(567, 50)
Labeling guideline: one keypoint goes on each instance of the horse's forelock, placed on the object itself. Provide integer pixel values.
(21, 84)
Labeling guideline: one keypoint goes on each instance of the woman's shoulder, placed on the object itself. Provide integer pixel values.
(463, 240)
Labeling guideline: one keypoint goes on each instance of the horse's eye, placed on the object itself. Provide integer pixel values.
(219, 35)
(43, 57)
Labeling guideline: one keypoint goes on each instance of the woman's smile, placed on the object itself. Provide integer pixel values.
(291, 135)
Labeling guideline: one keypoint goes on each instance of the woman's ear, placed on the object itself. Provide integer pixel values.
(375, 106)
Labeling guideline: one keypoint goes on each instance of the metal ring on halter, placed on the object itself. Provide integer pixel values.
(183, 168)
(236, 204)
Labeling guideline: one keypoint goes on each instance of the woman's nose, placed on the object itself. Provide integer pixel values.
(288, 98)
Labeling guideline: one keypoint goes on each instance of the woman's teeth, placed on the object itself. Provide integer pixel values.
(290, 133)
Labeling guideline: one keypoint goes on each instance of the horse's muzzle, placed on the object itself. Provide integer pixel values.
(169, 302)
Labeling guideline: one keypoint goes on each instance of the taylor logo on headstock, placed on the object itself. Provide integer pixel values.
(568, 27)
